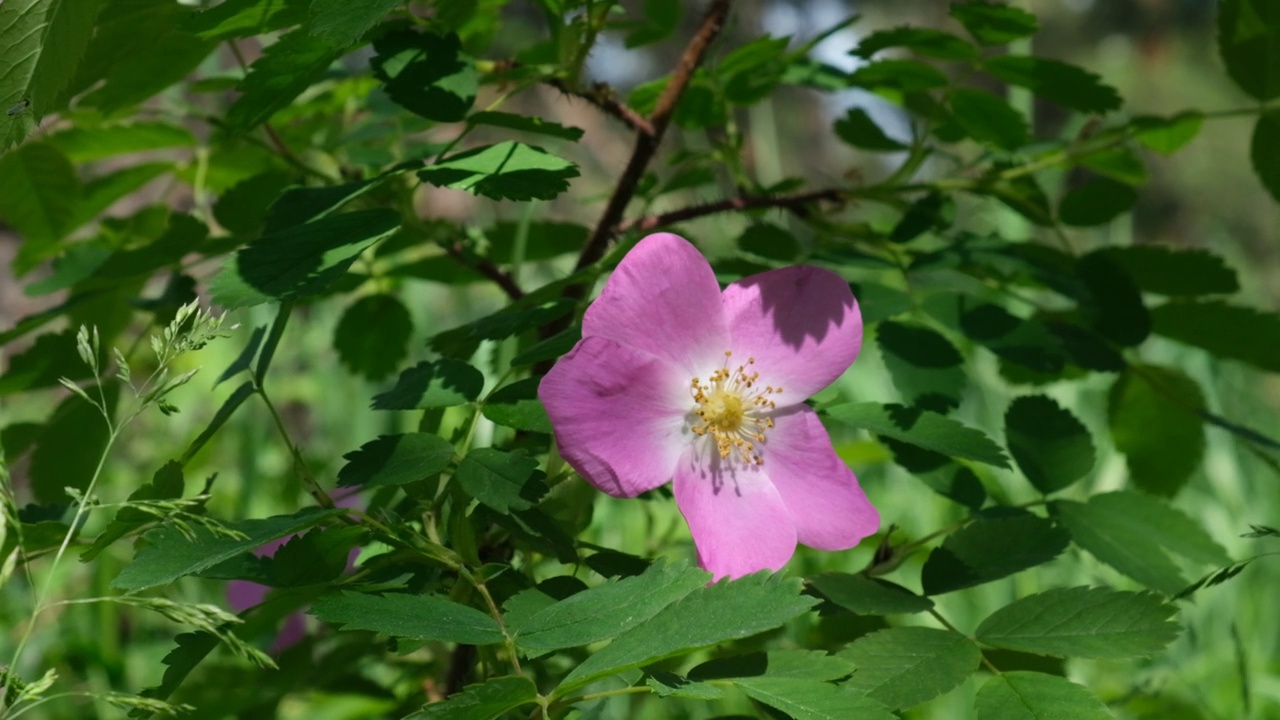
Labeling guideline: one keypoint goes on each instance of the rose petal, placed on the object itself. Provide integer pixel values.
(829, 508)
(242, 594)
(739, 523)
(618, 414)
(664, 299)
(801, 324)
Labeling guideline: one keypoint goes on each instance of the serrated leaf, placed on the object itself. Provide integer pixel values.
(1022, 695)
(39, 194)
(1067, 85)
(1051, 447)
(43, 43)
(981, 552)
(372, 337)
(869, 596)
(506, 171)
(1167, 135)
(299, 261)
(769, 241)
(1175, 271)
(994, 23)
(504, 481)
(859, 130)
(426, 74)
(934, 211)
(167, 483)
(989, 119)
(902, 75)
(188, 652)
(396, 460)
(286, 68)
(244, 18)
(437, 384)
(608, 610)
(1227, 331)
(298, 205)
(319, 556)
(242, 209)
(1249, 42)
(905, 666)
(168, 555)
(1096, 202)
(923, 41)
(517, 406)
(727, 610)
(1082, 622)
(416, 617)
(1151, 414)
(1114, 305)
(921, 428)
(925, 367)
(342, 22)
(811, 700)
(525, 123)
(516, 318)
(1135, 534)
(666, 684)
(798, 664)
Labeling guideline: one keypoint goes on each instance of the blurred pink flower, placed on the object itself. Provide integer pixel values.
(675, 380)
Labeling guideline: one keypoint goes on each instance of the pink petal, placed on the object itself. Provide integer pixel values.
(664, 299)
(831, 512)
(801, 324)
(739, 523)
(619, 415)
(242, 594)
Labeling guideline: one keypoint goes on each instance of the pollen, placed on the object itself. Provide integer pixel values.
(733, 409)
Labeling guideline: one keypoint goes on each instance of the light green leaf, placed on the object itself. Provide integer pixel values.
(1249, 42)
(1228, 331)
(168, 555)
(1082, 622)
(905, 666)
(39, 194)
(416, 617)
(869, 596)
(924, 429)
(981, 552)
(490, 699)
(504, 481)
(372, 337)
(65, 37)
(441, 383)
(342, 22)
(517, 406)
(286, 68)
(396, 460)
(1051, 447)
(812, 700)
(1174, 271)
(1167, 135)
(506, 171)
(1151, 412)
(1023, 695)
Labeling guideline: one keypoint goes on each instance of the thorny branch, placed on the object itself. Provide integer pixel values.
(798, 204)
(486, 267)
(603, 97)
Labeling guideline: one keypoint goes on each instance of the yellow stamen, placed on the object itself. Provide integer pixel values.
(733, 410)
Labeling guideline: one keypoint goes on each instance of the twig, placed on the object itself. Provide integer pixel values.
(795, 203)
(487, 268)
(603, 97)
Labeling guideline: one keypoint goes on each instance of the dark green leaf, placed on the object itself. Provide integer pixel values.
(1227, 331)
(525, 123)
(1022, 695)
(901, 75)
(517, 406)
(859, 130)
(51, 356)
(298, 205)
(513, 320)
(667, 684)
(726, 610)
(989, 119)
(168, 555)
(504, 481)
(1249, 42)
(342, 22)
(396, 460)
(981, 551)
(442, 383)
(166, 484)
(661, 18)
(1082, 622)
(934, 211)
(426, 74)
(373, 335)
(750, 72)
(102, 192)
(89, 143)
(1174, 271)
(1052, 448)
(506, 171)
(300, 261)
(70, 446)
(242, 209)
(542, 240)
(39, 192)
(286, 68)
(190, 650)
(925, 367)
(880, 302)
(1153, 420)
(234, 401)
(905, 666)
(922, 41)
(769, 241)
(1114, 305)
(1059, 82)
(1098, 201)
(1024, 196)
(416, 617)
(1026, 342)
(244, 18)
(921, 428)
(1167, 135)
(869, 596)
(798, 664)
(994, 23)
(320, 556)
(244, 360)
(811, 700)
(491, 699)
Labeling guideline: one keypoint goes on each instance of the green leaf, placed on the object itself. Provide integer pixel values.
(1023, 195)
(859, 130)
(661, 18)
(925, 367)
(396, 460)
(769, 241)
(244, 18)
(441, 383)
(31, 34)
(994, 23)
(85, 144)
(1114, 305)
(1167, 135)
(1023, 695)
(416, 617)
(190, 650)
(342, 22)
(515, 319)
(1059, 82)
(1227, 331)
(1082, 622)
(426, 74)
(869, 596)
(299, 205)
(1249, 42)
(166, 484)
(485, 701)
(1051, 447)
(373, 335)
(1097, 202)
(320, 556)
(39, 192)
(797, 664)
(517, 406)
(70, 446)
(102, 192)
(989, 119)
(300, 261)
(727, 610)
(542, 240)
(50, 357)
(921, 428)
(905, 666)
(67, 31)
(902, 75)
(666, 684)
(506, 171)
(504, 481)
(981, 551)
(168, 555)
(922, 41)
(286, 68)
(1174, 271)
(934, 211)
(1153, 421)
(1118, 163)
(525, 123)
(608, 610)
(811, 700)
(1135, 534)
(242, 209)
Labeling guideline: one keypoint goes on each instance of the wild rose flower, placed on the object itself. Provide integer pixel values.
(675, 380)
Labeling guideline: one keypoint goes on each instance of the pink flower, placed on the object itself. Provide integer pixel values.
(675, 380)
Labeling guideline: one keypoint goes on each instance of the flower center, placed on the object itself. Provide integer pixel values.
(732, 408)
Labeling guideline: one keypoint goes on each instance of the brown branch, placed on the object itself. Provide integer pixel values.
(602, 96)
(487, 268)
(798, 204)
